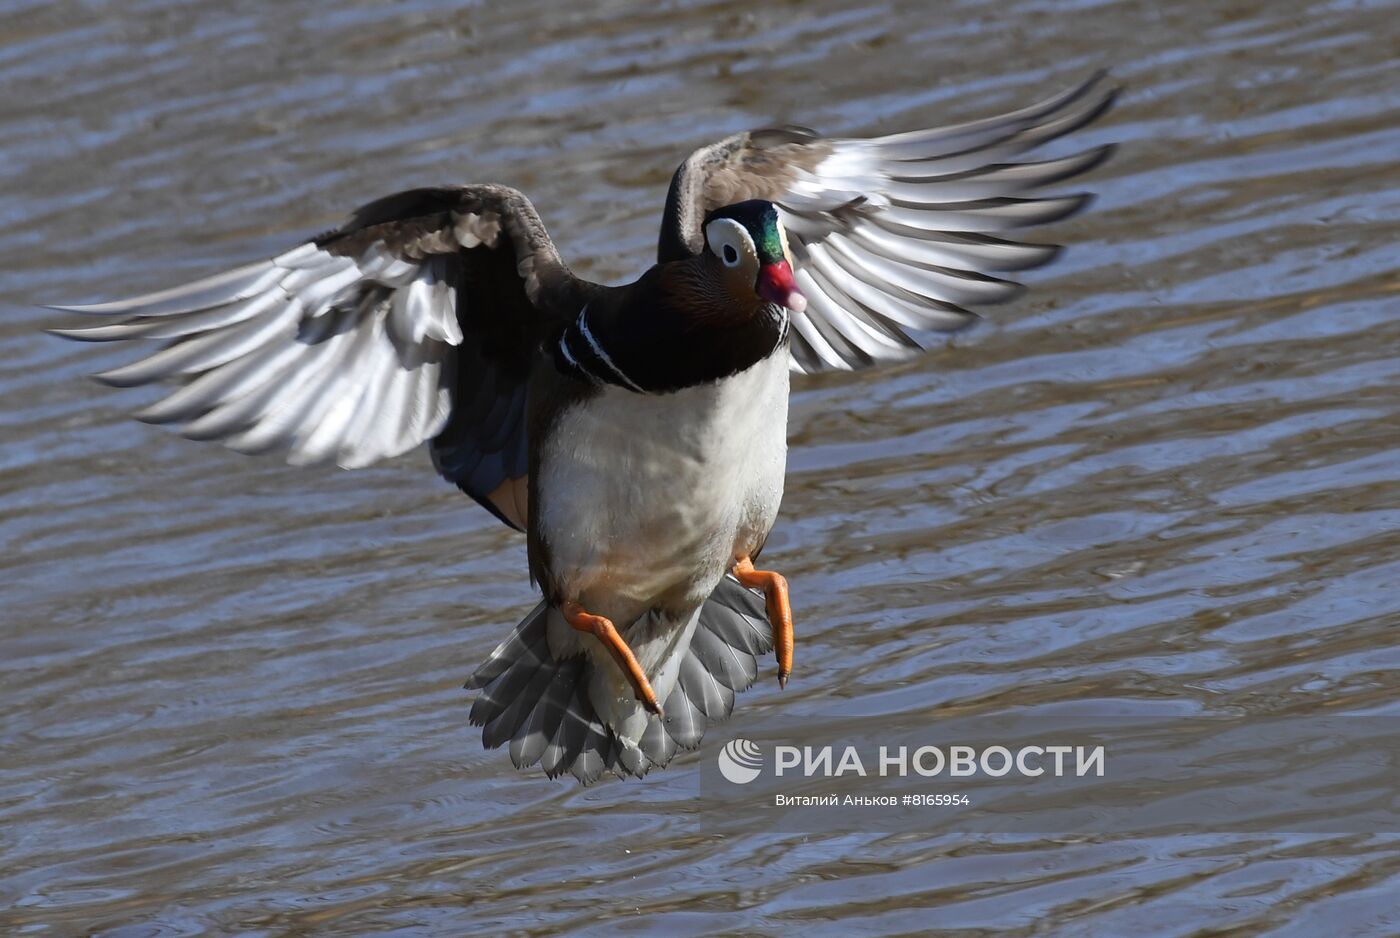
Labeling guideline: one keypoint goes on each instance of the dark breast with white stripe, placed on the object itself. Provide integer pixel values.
(580, 354)
(676, 328)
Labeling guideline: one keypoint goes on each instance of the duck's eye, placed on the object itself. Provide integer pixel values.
(728, 241)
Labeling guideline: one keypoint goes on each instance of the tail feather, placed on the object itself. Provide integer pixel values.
(713, 698)
(511, 722)
(529, 745)
(750, 628)
(626, 757)
(684, 720)
(526, 641)
(658, 745)
(541, 706)
(734, 667)
(577, 728)
(594, 748)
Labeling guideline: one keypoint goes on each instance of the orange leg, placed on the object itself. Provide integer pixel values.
(603, 630)
(775, 590)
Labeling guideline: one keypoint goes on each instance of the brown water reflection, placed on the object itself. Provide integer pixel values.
(1165, 482)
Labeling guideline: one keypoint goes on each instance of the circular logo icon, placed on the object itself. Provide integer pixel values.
(740, 761)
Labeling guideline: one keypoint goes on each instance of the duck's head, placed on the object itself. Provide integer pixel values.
(748, 240)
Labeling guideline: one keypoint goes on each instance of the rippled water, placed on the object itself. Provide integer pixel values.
(1165, 481)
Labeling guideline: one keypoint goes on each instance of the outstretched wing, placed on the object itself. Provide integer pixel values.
(897, 235)
(415, 321)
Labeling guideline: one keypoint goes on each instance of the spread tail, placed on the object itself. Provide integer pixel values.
(541, 705)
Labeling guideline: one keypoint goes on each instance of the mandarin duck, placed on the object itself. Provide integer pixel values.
(636, 434)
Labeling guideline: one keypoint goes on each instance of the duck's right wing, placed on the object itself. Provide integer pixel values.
(416, 321)
(899, 236)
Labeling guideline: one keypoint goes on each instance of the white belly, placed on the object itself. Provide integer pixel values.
(646, 499)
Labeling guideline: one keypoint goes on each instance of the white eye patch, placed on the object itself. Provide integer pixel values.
(730, 242)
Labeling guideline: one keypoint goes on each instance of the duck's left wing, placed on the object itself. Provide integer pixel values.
(414, 322)
(893, 236)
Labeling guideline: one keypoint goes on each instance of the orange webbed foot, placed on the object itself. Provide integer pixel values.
(775, 591)
(602, 629)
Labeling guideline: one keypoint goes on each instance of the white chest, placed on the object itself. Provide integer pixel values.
(646, 498)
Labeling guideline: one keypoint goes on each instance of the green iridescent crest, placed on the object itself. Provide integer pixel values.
(760, 220)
